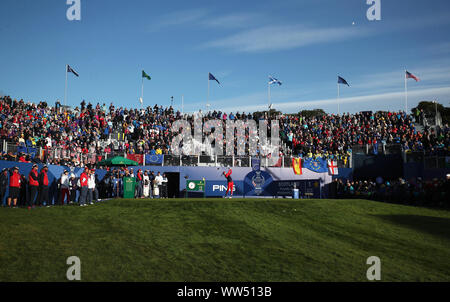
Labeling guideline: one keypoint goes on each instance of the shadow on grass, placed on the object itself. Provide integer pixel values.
(433, 225)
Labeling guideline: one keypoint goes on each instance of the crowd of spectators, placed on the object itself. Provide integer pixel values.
(37, 190)
(87, 128)
(418, 192)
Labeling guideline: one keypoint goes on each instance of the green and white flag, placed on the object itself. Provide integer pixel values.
(144, 75)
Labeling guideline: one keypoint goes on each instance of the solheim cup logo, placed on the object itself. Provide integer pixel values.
(258, 181)
(242, 138)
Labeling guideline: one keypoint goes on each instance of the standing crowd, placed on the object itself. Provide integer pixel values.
(148, 185)
(33, 190)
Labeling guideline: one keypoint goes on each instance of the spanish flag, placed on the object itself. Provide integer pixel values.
(297, 166)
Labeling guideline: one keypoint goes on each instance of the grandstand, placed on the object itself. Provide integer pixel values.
(364, 146)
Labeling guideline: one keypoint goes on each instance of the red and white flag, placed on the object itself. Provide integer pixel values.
(332, 167)
(411, 76)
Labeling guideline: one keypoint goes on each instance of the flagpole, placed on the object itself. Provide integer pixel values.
(142, 93)
(338, 95)
(406, 93)
(182, 105)
(65, 90)
(207, 99)
(268, 89)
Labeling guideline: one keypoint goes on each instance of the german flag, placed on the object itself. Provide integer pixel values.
(297, 166)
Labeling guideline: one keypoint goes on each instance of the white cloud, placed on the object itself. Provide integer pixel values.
(236, 20)
(390, 100)
(180, 18)
(280, 37)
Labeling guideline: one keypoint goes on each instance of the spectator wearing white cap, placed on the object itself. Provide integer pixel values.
(64, 183)
(91, 187)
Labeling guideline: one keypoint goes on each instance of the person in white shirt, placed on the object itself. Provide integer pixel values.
(146, 183)
(158, 183)
(64, 187)
(164, 186)
(91, 186)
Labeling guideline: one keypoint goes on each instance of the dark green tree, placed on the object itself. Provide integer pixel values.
(429, 108)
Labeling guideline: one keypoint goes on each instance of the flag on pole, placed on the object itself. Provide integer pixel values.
(411, 76)
(332, 167)
(213, 78)
(297, 166)
(272, 80)
(342, 81)
(144, 75)
(69, 69)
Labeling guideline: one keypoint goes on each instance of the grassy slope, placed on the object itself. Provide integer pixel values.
(226, 240)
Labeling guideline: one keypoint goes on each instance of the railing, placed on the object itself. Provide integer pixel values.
(46, 155)
(428, 161)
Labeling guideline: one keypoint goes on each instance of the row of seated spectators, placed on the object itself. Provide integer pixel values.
(433, 193)
(81, 130)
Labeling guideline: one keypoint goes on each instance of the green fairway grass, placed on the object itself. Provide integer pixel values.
(226, 240)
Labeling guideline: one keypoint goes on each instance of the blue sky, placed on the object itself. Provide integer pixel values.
(303, 43)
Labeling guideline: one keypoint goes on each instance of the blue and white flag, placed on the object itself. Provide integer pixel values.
(70, 69)
(272, 80)
(342, 81)
(153, 159)
(213, 78)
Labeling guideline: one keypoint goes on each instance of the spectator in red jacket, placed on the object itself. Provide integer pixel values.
(33, 183)
(139, 183)
(84, 177)
(14, 187)
(43, 187)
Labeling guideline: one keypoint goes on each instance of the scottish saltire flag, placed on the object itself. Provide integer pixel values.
(317, 165)
(144, 75)
(154, 159)
(342, 81)
(69, 69)
(411, 76)
(332, 167)
(272, 80)
(213, 78)
(297, 166)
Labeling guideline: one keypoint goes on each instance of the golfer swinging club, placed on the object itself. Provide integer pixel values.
(230, 183)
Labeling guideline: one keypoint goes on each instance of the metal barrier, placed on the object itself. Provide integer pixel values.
(77, 157)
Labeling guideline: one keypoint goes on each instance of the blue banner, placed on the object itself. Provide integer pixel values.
(318, 165)
(256, 163)
(32, 152)
(154, 159)
(21, 149)
(309, 188)
(216, 188)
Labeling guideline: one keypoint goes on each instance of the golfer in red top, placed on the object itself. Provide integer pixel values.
(230, 183)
